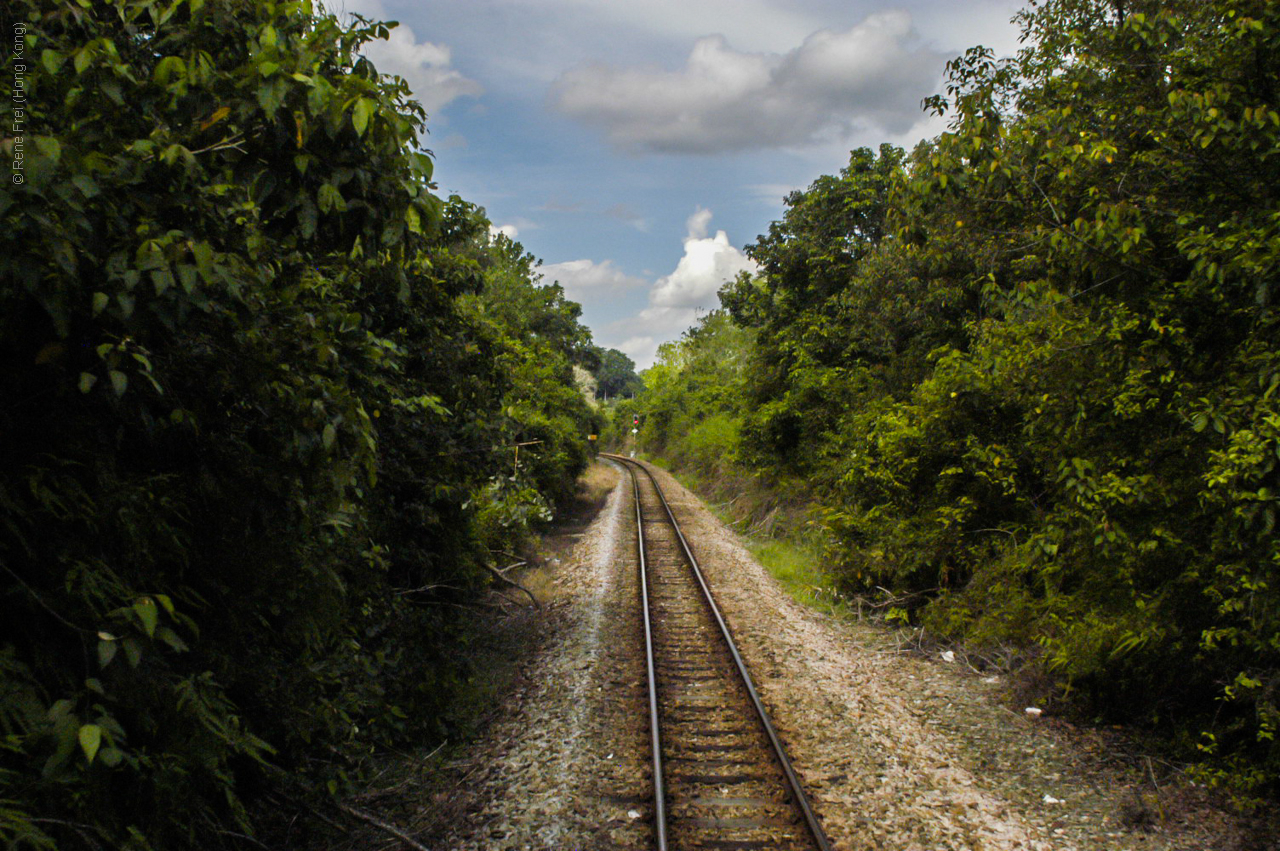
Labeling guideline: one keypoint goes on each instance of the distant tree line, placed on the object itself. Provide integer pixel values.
(262, 392)
(1029, 371)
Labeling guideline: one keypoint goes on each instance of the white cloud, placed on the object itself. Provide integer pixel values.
(708, 263)
(869, 77)
(589, 279)
(425, 66)
(697, 224)
(676, 300)
(639, 349)
(509, 231)
(757, 23)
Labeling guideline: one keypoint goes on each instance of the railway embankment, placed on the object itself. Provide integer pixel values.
(896, 750)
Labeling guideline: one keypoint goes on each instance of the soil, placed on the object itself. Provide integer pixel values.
(899, 750)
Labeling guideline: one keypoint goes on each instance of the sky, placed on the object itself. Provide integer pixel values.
(637, 146)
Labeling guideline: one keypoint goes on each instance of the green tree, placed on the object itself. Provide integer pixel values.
(252, 409)
(537, 342)
(803, 303)
(1030, 369)
(1068, 469)
(616, 375)
(693, 402)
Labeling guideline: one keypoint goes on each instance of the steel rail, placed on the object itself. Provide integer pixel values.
(659, 784)
(796, 790)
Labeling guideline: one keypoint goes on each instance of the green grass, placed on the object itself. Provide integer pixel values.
(797, 567)
(794, 562)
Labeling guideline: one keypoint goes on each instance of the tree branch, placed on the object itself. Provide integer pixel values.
(511, 582)
(383, 826)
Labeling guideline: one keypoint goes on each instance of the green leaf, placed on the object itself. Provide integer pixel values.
(424, 165)
(87, 185)
(49, 147)
(271, 95)
(132, 651)
(161, 279)
(330, 435)
(52, 60)
(168, 68)
(107, 650)
(119, 381)
(203, 254)
(172, 639)
(360, 115)
(187, 277)
(329, 198)
(83, 57)
(87, 380)
(111, 88)
(90, 740)
(148, 613)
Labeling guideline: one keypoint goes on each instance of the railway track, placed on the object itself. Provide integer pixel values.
(721, 777)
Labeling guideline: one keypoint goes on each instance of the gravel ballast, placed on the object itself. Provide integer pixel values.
(897, 750)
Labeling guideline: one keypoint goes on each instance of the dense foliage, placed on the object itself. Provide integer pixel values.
(694, 396)
(1031, 369)
(263, 389)
(615, 375)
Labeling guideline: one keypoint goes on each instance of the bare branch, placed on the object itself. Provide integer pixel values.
(512, 583)
(425, 588)
(245, 837)
(384, 826)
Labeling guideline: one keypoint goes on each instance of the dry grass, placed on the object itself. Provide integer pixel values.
(556, 541)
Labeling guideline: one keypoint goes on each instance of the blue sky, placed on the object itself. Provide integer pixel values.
(636, 146)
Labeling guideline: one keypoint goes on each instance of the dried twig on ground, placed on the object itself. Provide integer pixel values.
(512, 583)
(244, 837)
(383, 826)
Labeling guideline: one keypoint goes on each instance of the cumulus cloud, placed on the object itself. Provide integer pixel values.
(589, 279)
(697, 224)
(708, 262)
(869, 77)
(676, 300)
(425, 66)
